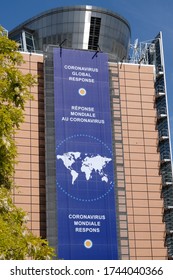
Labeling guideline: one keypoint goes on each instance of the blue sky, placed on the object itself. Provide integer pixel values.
(146, 18)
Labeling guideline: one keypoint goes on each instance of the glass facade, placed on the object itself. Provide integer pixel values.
(79, 27)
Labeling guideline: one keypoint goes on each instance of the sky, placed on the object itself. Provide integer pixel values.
(146, 19)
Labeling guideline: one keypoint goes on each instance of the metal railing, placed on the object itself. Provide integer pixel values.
(163, 133)
(166, 178)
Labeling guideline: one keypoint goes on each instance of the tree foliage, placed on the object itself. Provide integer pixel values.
(14, 92)
(16, 241)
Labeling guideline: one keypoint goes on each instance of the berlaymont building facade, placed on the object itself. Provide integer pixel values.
(94, 171)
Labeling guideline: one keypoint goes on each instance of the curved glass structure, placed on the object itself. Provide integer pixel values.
(78, 27)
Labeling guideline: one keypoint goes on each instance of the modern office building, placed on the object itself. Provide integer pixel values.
(94, 166)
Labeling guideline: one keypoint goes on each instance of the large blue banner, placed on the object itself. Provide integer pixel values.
(84, 159)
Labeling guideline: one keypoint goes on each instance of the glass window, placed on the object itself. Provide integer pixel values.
(65, 27)
(65, 16)
(54, 18)
(82, 16)
(18, 39)
(94, 33)
(76, 16)
(81, 27)
(71, 17)
(59, 17)
(75, 27)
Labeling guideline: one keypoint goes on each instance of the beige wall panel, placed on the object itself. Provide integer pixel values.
(146, 84)
(148, 113)
(28, 170)
(146, 77)
(135, 119)
(131, 90)
(144, 219)
(143, 236)
(136, 141)
(159, 252)
(137, 164)
(141, 211)
(147, 105)
(143, 253)
(140, 195)
(132, 112)
(133, 97)
(144, 206)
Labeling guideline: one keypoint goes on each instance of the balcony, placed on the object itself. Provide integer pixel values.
(159, 71)
(165, 156)
(160, 91)
(169, 245)
(169, 208)
(168, 217)
(166, 179)
(161, 113)
(167, 195)
(163, 134)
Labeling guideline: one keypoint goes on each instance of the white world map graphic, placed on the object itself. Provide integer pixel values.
(88, 165)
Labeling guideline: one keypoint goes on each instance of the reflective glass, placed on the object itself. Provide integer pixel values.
(54, 18)
(70, 27)
(71, 17)
(76, 16)
(108, 20)
(54, 29)
(65, 27)
(59, 17)
(65, 17)
(75, 27)
(112, 35)
(82, 16)
(75, 38)
(103, 17)
(48, 20)
(81, 27)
